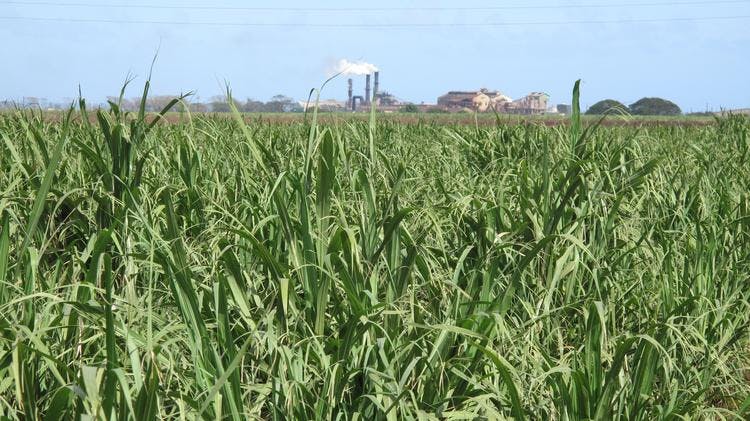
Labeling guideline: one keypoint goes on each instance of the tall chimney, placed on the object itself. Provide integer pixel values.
(367, 89)
(349, 103)
(376, 88)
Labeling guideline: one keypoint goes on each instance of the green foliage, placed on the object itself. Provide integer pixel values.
(607, 106)
(409, 108)
(214, 269)
(654, 106)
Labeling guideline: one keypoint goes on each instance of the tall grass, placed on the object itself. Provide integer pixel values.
(216, 269)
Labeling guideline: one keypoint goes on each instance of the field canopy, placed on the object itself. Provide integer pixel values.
(219, 268)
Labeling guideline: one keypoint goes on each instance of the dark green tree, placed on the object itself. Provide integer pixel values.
(654, 106)
(607, 106)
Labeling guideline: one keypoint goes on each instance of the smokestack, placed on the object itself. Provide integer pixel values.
(376, 88)
(351, 92)
(367, 89)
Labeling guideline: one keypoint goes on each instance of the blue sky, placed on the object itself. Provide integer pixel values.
(697, 64)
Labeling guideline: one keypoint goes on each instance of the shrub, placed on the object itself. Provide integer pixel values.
(409, 108)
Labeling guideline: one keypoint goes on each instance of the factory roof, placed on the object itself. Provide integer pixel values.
(480, 91)
(323, 103)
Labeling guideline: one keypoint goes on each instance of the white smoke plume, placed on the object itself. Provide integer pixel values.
(358, 67)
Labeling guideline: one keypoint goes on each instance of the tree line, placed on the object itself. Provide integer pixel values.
(215, 104)
(644, 106)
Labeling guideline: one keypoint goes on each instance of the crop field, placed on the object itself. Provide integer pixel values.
(479, 119)
(428, 118)
(219, 268)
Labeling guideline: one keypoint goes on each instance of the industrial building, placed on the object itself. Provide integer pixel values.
(481, 100)
(383, 100)
(324, 105)
(485, 100)
(354, 100)
(533, 103)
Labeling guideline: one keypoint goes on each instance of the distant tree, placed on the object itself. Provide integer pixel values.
(607, 105)
(281, 104)
(158, 102)
(409, 108)
(220, 104)
(57, 106)
(198, 107)
(253, 106)
(35, 102)
(437, 110)
(131, 104)
(126, 104)
(701, 114)
(654, 106)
